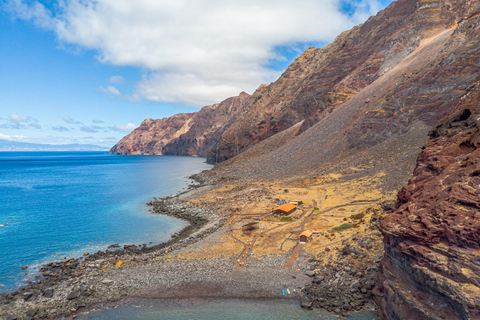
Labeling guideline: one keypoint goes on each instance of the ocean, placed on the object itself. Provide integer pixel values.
(62, 204)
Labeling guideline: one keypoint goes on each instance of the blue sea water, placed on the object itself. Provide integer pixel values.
(62, 204)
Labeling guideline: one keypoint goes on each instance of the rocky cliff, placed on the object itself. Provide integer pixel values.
(321, 80)
(432, 240)
(192, 134)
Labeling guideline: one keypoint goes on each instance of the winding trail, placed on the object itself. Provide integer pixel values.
(306, 217)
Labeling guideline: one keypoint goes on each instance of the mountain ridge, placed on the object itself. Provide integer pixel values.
(6, 145)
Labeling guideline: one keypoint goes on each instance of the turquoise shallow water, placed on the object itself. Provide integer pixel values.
(57, 204)
(199, 309)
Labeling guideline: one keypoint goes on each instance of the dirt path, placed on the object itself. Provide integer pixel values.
(294, 255)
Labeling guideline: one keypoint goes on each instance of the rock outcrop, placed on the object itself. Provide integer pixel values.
(431, 266)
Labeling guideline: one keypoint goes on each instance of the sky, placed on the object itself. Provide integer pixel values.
(90, 71)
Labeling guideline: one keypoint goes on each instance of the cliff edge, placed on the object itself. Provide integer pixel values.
(432, 240)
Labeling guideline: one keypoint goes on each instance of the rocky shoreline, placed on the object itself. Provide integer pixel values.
(47, 295)
(71, 286)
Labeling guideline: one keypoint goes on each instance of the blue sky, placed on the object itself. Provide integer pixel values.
(89, 72)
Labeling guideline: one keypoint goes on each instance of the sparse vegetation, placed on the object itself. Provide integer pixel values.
(286, 219)
(316, 208)
(343, 227)
(286, 190)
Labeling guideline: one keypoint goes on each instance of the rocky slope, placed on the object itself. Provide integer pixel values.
(384, 125)
(190, 134)
(321, 80)
(432, 240)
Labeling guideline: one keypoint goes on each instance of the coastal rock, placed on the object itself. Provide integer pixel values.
(310, 273)
(27, 296)
(48, 293)
(73, 295)
(306, 303)
(107, 281)
(432, 245)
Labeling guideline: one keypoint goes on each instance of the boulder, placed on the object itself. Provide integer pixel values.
(48, 293)
(73, 295)
(306, 303)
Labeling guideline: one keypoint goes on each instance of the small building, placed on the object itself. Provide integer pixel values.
(299, 202)
(305, 235)
(219, 199)
(285, 209)
(281, 202)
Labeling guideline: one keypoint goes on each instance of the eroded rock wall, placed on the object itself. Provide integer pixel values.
(431, 267)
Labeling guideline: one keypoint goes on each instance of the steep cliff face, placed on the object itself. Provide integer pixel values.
(432, 240)
(152, 135)
(192, 134)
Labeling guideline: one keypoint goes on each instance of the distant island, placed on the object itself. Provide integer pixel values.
(6, 145)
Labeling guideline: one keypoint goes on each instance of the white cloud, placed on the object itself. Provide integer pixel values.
(110, 90)
(193, 52)
(16, 121)
(35, 125)
(60, 128)
(98, 121)
(129, 127)
(67, 119)
(12, 138)
(17, 118)
(90, 128)
(117, 79)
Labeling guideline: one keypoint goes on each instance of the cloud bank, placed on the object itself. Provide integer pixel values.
(193, 52)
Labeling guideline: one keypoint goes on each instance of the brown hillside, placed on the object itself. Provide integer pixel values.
(320, 80)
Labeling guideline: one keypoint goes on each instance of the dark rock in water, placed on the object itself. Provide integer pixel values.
(306, 303)
(115, 245)
(73, 295)
(24, 267)
(48, 293)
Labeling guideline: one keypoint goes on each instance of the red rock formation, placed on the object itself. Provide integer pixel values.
(431, 269)
(152, 135)
(190, 134)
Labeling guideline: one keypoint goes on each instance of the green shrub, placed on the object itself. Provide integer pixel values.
(343, 227)
(286, 219)
(286, 190)
(316, 208)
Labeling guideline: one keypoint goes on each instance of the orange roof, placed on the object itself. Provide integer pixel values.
(286, 207)
(306, 233)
